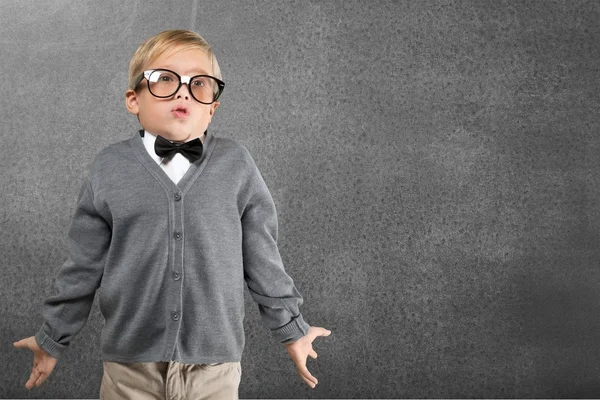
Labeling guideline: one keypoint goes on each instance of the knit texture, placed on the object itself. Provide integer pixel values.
(170, 261)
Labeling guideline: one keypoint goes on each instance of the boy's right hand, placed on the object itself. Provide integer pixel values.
(43, 363)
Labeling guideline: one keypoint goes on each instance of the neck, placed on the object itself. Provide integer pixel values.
(202, 137)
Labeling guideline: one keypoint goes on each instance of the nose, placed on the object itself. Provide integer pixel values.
(185, 92)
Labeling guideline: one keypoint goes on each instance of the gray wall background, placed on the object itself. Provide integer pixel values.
(434, 167)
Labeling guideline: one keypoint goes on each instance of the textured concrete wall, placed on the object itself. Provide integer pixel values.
(435, 167)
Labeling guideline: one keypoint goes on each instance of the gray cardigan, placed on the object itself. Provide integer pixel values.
(170, 261)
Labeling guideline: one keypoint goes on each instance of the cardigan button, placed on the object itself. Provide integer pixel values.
(177, 196)
(176, 275)
(175, 316)
(177, 235)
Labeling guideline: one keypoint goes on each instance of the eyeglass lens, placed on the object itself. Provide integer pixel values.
(165, 84)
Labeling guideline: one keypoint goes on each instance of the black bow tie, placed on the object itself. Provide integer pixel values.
(165, 148)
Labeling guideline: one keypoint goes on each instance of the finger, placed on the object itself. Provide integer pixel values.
(320, 331)
(313, 354)
(41, 379)
(308, 378)
(309, 383)
(304, 372)
(32, 378)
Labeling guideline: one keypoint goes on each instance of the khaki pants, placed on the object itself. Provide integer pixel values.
(170, 381)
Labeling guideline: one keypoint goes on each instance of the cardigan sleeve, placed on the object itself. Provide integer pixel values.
(268, 283)
(67, 308)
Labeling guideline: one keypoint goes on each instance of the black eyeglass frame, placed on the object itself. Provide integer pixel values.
(182, 79)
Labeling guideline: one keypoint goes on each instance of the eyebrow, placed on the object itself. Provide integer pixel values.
(199, 70)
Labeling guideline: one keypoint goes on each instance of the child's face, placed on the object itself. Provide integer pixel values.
(157, 114)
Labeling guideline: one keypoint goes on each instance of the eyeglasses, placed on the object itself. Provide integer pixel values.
(163, 83)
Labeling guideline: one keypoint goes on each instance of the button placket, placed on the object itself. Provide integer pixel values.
(175, 299)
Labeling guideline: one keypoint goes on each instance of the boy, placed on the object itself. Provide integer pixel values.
(169, 224)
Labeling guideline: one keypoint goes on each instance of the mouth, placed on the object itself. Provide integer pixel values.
(180, 111)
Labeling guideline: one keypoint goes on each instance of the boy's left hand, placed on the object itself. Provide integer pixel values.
(302, 348)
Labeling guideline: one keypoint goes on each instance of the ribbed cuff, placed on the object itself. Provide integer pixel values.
(50, 346)
(292, 331)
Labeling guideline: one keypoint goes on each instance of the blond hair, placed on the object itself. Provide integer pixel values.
(159, 44)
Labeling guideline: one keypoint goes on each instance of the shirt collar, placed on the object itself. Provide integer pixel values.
(149, 140)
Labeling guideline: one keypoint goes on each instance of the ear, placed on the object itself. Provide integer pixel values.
(131, 102)
(213, 107)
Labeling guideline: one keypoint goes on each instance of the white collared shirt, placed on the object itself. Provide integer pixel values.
(175, 167)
